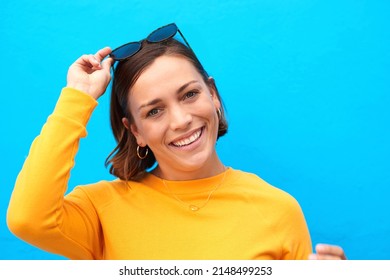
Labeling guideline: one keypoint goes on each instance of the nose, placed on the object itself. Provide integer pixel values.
(179, 118)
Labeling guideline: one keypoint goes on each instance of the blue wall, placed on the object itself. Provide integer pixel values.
(306, 84)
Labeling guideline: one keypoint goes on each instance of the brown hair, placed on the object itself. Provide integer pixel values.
(123, 160)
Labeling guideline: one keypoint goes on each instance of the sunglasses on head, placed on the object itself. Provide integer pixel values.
(159, 35)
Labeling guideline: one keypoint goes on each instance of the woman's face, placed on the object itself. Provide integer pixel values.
(175, 115)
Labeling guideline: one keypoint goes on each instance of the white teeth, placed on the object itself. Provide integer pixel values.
(188, 140)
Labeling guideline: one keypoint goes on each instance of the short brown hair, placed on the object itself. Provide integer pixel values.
(123, 160)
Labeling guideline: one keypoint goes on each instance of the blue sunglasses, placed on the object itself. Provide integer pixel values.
(159, 35)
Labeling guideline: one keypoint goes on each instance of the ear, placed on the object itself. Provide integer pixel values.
(134, 130)
(211, 82)
(126, 123)
(214, 92)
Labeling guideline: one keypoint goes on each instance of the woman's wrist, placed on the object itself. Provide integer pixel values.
(84, 88)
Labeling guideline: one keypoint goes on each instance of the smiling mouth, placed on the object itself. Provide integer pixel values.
(189, 140)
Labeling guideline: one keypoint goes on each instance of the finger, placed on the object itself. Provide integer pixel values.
(330, 250)
(89, 60)
(102, 53)
(324, 257)
(106, 64)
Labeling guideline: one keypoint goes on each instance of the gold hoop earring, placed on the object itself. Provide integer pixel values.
(142, 157)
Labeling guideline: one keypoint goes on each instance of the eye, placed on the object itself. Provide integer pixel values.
(190, 94)
(153, 112)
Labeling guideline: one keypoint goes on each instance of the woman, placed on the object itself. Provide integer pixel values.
(174, 198)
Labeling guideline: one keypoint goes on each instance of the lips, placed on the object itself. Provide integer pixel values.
(188, 140)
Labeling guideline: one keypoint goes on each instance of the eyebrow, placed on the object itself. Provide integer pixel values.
(157, 100)
(183, 87)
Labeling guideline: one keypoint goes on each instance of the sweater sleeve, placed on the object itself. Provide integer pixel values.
(294, 233)
(38, 213)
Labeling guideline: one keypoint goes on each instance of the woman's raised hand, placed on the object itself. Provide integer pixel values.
(90, 74)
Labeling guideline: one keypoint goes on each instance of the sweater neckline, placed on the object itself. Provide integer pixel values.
(187, 186)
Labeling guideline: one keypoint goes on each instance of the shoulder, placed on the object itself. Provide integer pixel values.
(103, 192)
(256, 188)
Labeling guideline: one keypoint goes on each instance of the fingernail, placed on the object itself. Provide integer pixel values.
(320, 247)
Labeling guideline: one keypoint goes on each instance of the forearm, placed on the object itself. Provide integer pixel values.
(36, 205)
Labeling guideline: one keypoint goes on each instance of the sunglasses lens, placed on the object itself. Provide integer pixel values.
(163, 33)
(125, 51)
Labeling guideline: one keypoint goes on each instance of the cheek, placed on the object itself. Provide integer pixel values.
(211, 111)
(152, 133)
(206, 110)
(208, 113)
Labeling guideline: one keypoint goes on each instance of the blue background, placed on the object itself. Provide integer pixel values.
(305, 82)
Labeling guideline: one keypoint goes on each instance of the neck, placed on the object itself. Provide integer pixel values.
(186, 175)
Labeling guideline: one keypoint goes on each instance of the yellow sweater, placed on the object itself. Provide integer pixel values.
(245, 218)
